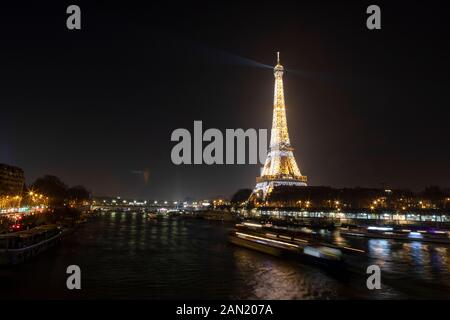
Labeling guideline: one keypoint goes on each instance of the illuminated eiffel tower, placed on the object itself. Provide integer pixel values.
(280, 168)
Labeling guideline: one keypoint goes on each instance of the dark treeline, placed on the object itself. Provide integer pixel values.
(240, 196)
(352, 198)
(58, 192)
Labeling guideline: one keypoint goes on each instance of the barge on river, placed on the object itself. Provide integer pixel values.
(290, 244)
(401, 234)
(20, 246)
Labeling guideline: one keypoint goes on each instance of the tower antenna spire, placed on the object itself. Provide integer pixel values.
(278, 57)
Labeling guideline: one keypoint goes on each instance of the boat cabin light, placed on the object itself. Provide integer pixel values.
(380, 228)
(249, 224)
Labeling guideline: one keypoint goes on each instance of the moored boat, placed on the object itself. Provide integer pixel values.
(20, 246)
(401, 234)
(295, 245)
(152, 215)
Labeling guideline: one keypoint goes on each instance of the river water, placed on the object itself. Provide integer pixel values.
(125, 256)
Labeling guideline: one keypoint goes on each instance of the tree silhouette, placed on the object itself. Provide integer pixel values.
(52, 187)
(240, 196)
(78, 193)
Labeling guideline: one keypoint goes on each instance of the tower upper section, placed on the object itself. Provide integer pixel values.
(280, 137)
(278, 70)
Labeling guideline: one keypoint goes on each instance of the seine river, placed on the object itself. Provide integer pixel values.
(125, 256)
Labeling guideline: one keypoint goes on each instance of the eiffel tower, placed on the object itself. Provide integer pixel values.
(280, 168)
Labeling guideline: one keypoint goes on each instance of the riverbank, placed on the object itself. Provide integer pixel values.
(31, 235)
(436, 218)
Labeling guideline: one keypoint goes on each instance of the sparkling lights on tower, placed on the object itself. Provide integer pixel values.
(280, 167)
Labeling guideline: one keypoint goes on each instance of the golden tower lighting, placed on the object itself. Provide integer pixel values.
(280, 167)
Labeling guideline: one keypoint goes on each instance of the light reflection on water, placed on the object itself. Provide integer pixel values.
(276, 279)
(427, 263)
(124, 255)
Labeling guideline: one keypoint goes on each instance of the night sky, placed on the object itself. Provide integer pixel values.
(97, 106)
